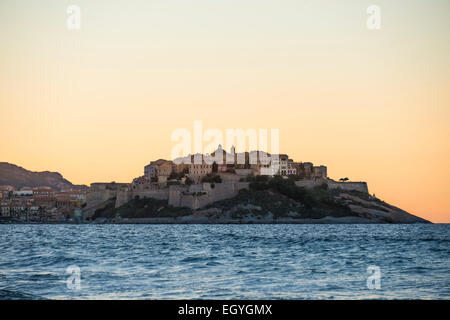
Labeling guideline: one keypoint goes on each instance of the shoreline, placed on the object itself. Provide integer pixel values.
(190, 220)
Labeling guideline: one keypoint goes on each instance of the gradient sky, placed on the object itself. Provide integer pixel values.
(99, 103)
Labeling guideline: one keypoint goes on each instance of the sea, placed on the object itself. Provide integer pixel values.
(278, 261)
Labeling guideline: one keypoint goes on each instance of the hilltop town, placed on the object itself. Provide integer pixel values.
(221, 187)
(196, 181)
(230, 187)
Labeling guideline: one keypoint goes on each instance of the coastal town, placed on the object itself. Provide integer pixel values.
(40, 204)
(192, 182)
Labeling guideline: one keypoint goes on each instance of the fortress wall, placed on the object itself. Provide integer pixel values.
(191, 201)
(244, 172)
(122, 197)
(162, 194)
(159, 194)
(349, 186)
(222, 191)
(227, 176)
(93, 196)
(98, 192)
(175, 194)
(203, 201)
(242, 185)
(196, 188)
(308, 184)
(104, 191)
(195, 202)
(101, 192)
(98, 186)
(186, 201)
(99, 195)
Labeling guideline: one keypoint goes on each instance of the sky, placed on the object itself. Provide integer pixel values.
(99, 103)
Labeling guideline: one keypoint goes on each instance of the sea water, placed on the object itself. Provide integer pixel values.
(225, 261)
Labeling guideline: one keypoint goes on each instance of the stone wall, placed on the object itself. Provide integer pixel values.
(179, 196)
(99, 193)
(104, 191)
(175, 193)
(122, 198)
(227, 176)
(309, 184)
(349, 186)
(159, 194)
(184, 196)
(244, 172)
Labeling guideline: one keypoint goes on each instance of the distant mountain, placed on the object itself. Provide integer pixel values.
(16, 176)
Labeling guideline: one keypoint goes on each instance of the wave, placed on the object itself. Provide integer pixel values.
(6, 294)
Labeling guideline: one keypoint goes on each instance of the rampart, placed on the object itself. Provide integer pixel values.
(347, 186)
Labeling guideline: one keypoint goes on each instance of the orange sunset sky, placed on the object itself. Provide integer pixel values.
(97, 104)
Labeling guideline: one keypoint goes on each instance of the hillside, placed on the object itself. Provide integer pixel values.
(19, 177)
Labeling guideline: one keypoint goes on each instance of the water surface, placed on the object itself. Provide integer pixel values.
(224, 261)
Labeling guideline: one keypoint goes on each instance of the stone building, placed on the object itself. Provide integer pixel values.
(46, 202)
(319, 172)
(140, 183)
(198, 168)
(150, 171)
(307, 167)
(287, 166)
(198, 171)
(5, 208)
(164, 169)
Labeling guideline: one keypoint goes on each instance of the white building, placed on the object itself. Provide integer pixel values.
(21, 193)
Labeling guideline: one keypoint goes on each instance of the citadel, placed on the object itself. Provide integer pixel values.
(197, 180)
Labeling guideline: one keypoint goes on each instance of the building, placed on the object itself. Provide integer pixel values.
(180, 168)
(287, 167)
(157, 168)
(73, 194)
(23, 193)
(225, 161)
(5, 208)
(319, 172)
(198, 170)
(140, 183)
(45, 202)
(150, 171)
(164, 169)
(307, 167)
(6, 191)
(67, 202)
(44, 191)
(222, 162)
